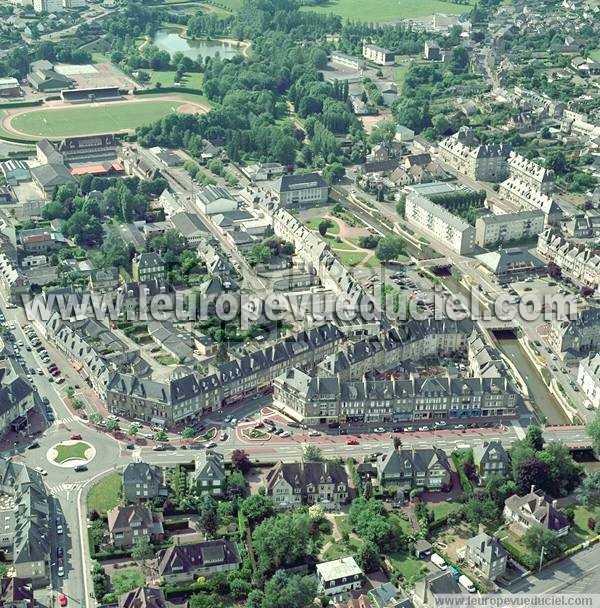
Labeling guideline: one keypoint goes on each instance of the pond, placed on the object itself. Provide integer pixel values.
(170, 40)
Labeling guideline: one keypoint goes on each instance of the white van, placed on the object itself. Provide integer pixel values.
(466, 583)
(439, 561)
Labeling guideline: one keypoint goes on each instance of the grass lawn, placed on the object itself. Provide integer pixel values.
(192, 80)
(400, 74)
(387, 10)
(127, 579)
(230, 5)
(108, 118)
(582, 514)
(408, 566)
(106, 494)
(595, 54)
(66, 452)
(339, 549)
(403, 524)
(350, 258)
(331, 241)
(313, 224)
(441, 509)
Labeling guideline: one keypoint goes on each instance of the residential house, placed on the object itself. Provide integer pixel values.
(339, 576)
(147, 266)
(388, 596)
(429, 591)
(486, 555)
(491, 459)
(40, 240)
(425, 469)
(103, 280)
(185, 563)
(432, 51)
(16, 593)
(290, 484)
(378, 55)
(301, 190)
(209, 473)
(143, 597)
(17, 397)
(142, 481)
(578, 336)
(132, 524)
(190, 227)
(535, 509)
(13, 283)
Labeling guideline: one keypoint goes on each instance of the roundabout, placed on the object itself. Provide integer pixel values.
(71, 453)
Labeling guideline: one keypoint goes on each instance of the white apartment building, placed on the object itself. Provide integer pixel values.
(348, 61)
(492, 229)
(378, 55)
(526, 196)
(437, 222)
(531, 173)
(588, 377)
(47, 6)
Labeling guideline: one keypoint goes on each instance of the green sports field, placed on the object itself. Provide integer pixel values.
(89, 119)
(389, 10)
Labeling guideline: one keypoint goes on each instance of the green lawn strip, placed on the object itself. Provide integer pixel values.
(580, 523)
(66, 452)
(106, 494)
(192, 80)
(340, 549)
(595, 54)
(386, 10)
(127, 579)
(441, 509)
(313, 224)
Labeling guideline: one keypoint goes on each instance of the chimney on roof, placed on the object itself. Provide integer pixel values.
(532, 488)
(555, 503)
(481, 529)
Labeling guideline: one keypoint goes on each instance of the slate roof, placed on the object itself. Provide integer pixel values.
(536, 508)
(209, 465)
(52, 175)
(303, 474)
(143, 597)
(142, 472)
(290, 183)
(189, 557)
(14, 590)
(412, 461)
(486, 547)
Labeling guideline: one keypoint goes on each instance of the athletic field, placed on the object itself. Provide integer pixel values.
(87, 119)
(389, 10)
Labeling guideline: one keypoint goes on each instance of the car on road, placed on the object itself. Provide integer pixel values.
(285, 434)
(259, 425)
(223, 437)
(314, 434)
(80, 468)
(59, 529)
(423, 428)
(233, 421)
(352, 441)
(159, 448)
(440, 423)
(409, 429)
(379, 429)
(130, 446)
(227, 419)
(293, 425)
(62, 599)
(459, 426)
(75, 436)
(59, 551)
(45, 401)
(41, 471)
(61, 571)
(210, 445)
(33, 445)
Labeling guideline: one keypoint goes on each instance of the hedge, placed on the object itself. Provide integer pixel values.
(161, 90)
(21, 104)
(16, 140)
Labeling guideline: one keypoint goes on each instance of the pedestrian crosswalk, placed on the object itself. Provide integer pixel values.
(64, 487)
(68, 419)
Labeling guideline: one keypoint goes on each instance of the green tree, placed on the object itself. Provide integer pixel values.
(256, 508)
(537, 538)
(209, 516)
(142, 551)
(333, 173)
(589, 490)
(312, 453)
(368, 557)
(289, 591)
(133, 430)
(112, 425)
(593, 430)
(389, 248)
(188, 432)
(535, 438)
(203, 600)
(324, 226)
(241, 461)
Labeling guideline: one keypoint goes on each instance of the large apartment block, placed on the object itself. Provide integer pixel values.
(527, 197)
(301, 190)
(531, 173)
(574, 259)
(320, 399)
(495, 229)
(588, 377)
(577, 337)
(464, 153)
(439, 223)
(378, 55)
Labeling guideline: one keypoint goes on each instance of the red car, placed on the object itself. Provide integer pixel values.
(352, 441)
(76, 436)
(62, 599)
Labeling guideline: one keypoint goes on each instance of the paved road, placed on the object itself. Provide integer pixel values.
(577, 574)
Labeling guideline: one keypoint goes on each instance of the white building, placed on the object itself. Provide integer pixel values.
(527, 196)
(299, 190)
(492, 229)
(339, 576)
(437, 222)
(378, 55)
(588, 378)
(215, 199)
(355, 63)
(531, 173)
(74, 3)
(47, 6)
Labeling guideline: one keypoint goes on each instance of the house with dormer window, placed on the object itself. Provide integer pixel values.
(426, 469)
(209, 473)
(491, 459)
(291, 484)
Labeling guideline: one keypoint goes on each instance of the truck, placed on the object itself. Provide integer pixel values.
(438, 560)
(466, 583)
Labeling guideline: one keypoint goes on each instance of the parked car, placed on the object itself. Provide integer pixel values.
(62, 599)
(41, 471)
(76, 436)
(33, 445)
(210, 445)
(80, 468)
(379, 429)
(159, 448)
(352, 441)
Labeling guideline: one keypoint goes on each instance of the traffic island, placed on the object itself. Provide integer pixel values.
(71, 453)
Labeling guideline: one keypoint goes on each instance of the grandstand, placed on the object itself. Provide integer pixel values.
(91, 95)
